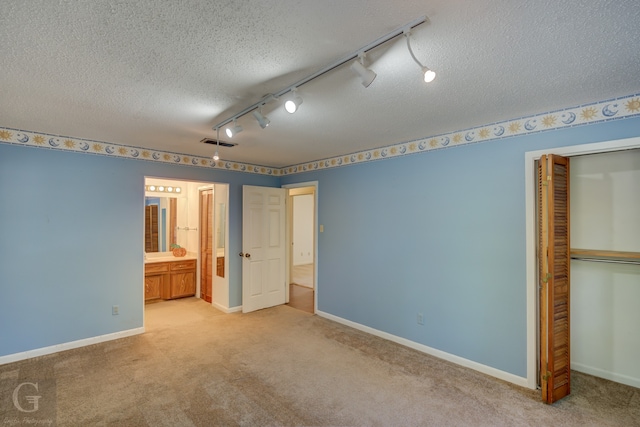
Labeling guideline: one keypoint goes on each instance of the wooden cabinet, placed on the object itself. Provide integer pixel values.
(183, 279)
(155, 277)
(153, 286)
(170, 279)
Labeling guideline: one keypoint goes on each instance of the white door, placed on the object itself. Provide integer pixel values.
(263, 247)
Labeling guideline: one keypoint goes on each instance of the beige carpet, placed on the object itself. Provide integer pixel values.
(281, 366)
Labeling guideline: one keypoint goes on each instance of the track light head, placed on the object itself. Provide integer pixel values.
(429, 75)
(366, 75)
(293, 104)
(262, 120)
(216, 157)
(232, 131)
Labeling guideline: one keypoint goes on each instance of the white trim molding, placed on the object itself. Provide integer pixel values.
(16, 357)
(488, 370)
(226, 309)
(608, 375)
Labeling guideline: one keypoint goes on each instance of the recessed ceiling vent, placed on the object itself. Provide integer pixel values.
(221, 143)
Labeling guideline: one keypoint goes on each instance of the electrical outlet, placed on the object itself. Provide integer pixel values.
(115, 310)
(420, 319)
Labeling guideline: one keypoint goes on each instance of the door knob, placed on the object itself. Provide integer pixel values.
(241, 254)
(247, 255)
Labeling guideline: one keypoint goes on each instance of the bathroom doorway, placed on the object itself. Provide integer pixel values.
(190, 256)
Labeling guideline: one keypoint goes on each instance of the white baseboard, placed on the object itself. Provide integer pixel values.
(16, 357)
(226, 309)
(506, 376)
(220, 307)
(607, 375)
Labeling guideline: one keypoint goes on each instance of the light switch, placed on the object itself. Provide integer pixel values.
(321, 228)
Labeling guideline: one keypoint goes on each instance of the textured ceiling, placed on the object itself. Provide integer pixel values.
(160, 74)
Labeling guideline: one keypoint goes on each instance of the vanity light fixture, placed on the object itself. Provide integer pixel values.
(427, 73)
(163, 189)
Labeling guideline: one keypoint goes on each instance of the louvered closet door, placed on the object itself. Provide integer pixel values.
(151, 228)
(553, 226)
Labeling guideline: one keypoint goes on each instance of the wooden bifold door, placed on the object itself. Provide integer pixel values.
(151, 228)
(554, 276)
(207, 251)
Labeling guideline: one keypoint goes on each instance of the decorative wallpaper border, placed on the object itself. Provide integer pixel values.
(66, 143)
(602, 111)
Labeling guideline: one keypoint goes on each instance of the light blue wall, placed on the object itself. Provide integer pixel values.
(71, 242)
(441, 233)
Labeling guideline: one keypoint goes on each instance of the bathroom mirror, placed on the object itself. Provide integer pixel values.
(220, 226)
(160, 221)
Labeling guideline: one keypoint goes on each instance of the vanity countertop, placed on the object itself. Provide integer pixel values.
(168, 257)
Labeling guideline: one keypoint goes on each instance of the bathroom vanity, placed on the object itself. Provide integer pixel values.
(168, 277)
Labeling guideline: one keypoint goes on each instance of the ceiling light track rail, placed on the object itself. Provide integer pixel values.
(405, 29)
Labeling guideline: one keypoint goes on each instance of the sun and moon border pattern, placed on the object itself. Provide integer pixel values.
(612, 109)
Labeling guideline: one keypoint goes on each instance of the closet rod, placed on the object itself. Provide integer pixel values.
(620, 257)
(612, 261)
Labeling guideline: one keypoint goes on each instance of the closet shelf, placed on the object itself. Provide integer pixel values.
(605, 256)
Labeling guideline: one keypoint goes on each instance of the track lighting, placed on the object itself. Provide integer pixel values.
(293, 104)
(427, 73)
(216, 157)
(231, 132)
(357, 66)
(366, 74)
(262, 120)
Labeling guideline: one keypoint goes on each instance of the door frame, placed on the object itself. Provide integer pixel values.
(201, 185)
(289, 237)
(533, 340)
